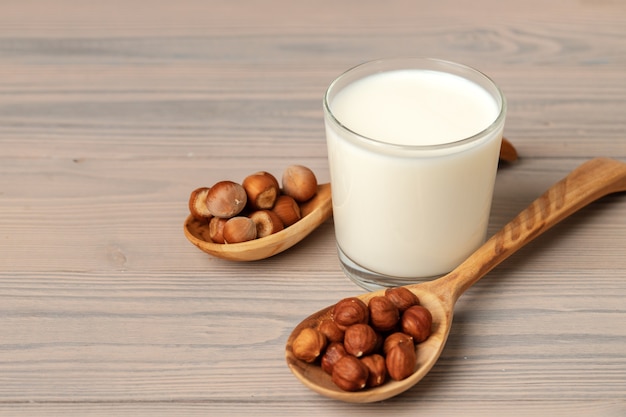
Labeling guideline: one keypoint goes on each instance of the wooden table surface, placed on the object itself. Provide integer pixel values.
(112, 112)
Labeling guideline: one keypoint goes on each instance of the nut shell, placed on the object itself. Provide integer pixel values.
(226, 199)
(329, 328)
(401, 361)
(216, 229)
(350, 374)
(287, 210)
(402, 297)
(239, 229)
(384, 315)
(349, 311)
(270, 176)
(267, 223)
(377, 369)
(299, 182)
(333, 353)
(360, 340)
(395, 339)
(308, 345)
(197, 204)
(262, 189)
(417, 322)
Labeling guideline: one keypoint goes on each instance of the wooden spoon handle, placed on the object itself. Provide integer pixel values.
(508, 153)
(587, 183)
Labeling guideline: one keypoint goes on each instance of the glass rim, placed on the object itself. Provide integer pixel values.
(414, 60)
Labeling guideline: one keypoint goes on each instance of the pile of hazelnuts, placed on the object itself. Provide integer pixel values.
(256, 208)
(364, 345)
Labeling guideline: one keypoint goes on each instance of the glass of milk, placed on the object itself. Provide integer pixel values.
(413, 149)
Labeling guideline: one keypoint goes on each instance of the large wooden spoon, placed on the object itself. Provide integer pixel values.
(314, 213)
(587, 183)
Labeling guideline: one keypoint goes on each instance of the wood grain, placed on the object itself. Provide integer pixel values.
(112, 112)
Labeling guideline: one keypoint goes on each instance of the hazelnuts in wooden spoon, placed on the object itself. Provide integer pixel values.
(256, 208)
(587, 183)
(379, 337)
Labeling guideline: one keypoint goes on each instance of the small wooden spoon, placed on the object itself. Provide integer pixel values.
(314, 212)
(587, 183)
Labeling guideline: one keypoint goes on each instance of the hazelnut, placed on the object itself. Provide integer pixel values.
(350, 374)
(395, 339)
(330, 329)
(216, 229)
(360, 339)
(270, 176)
(417, 322)
(226, 199)
(262, 189)
(384, 314)
(287, 209)
(400, 361)
(239, 229)
(197, 204)
(299, 182)
(402, 297)
(377, 369)
(308, 345)
(350, 311)
(267, 222)
(334, 352)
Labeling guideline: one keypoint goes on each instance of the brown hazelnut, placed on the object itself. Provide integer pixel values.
(333, 353)
(349, 311)
(330, 329)
(402, 297)
(226, 199)
(308, 345)
(395, 339)
(401, 360)
(360, 340)
(384, 314)
(417, 322)
(262, 190)
(350, 374)
(299, 182)
(287, 209)
(270, 176)
(377, 369)
(197, 204)
(216, 229)
(239, 229)
(267, 222)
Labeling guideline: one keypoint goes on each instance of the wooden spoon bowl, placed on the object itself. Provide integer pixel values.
(587, 183)
(427, 353)
(314, 212)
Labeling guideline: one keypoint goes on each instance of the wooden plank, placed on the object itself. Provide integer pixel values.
(112, 112)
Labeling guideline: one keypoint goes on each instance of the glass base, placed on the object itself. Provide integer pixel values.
(373, 281)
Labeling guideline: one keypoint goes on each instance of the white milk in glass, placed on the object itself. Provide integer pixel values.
(411, 193)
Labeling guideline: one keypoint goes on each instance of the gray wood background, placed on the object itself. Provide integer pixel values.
(112, 112)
